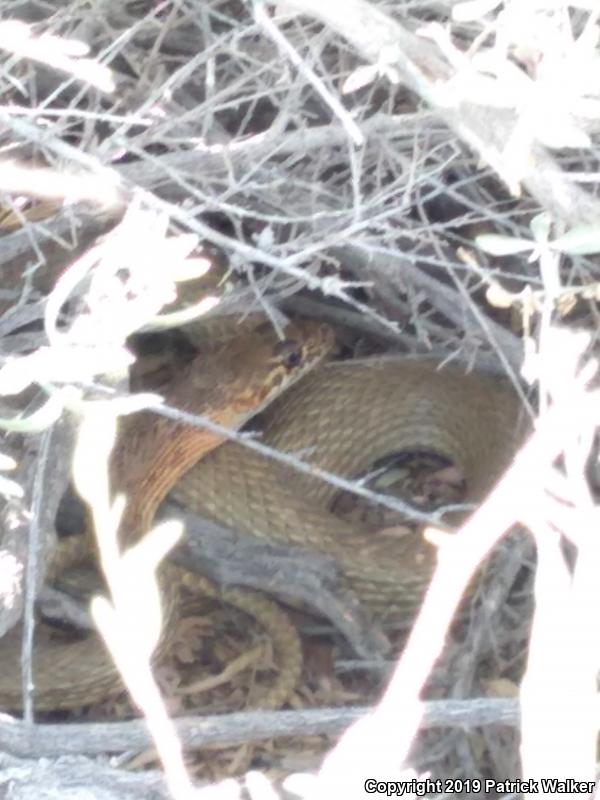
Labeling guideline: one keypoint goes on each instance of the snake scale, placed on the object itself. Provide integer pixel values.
(343, 417)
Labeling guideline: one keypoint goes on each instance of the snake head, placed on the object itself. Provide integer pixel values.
(245, 375)
(305, 345)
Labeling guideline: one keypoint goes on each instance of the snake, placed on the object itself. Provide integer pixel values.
(340, 416)
(228, 387)
(347, 416)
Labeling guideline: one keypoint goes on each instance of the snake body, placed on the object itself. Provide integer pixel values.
(229, 387)
(345, 417)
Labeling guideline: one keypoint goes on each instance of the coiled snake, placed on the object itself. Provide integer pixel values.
(229, 387)
(345, 417)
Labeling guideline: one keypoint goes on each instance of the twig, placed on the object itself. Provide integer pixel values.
(97, 738)
(486, 130)
(31, 576)
(352, 130)
(442, 297)
(79, 777)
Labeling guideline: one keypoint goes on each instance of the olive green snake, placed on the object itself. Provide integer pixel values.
(342, 417)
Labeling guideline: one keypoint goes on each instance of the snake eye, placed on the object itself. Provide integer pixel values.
(289, 352)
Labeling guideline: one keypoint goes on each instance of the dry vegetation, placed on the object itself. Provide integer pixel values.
(420, 174)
